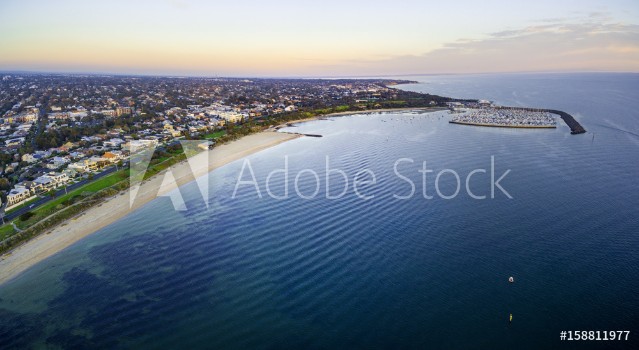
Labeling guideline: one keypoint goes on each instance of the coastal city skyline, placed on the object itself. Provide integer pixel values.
(287, 39)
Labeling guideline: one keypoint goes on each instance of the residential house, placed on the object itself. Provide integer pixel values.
(31, 158)
(81, 166)
(17, 196)
(113, 143)
(51, 180)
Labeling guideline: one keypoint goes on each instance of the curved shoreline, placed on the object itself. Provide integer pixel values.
(114, 208)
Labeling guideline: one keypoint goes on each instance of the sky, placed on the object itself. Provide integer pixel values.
(318, 38)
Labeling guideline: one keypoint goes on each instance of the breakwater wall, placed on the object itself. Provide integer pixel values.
(575, 127)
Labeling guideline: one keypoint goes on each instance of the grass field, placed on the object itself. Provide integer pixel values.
(342, 108)
(214, 135)
(104, 182)
(67, 199)
(6, 231)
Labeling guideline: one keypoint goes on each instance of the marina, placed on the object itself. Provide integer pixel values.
(515, 117)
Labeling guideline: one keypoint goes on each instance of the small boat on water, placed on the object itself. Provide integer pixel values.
(511, 318)
(511, 279)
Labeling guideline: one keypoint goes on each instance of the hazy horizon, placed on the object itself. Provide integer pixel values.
(380, 76)
(288, 39)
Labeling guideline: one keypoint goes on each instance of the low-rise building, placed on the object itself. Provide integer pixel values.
(113, 143)
(31, 158)
(51, 180)
(139, 144)
(111, 157)
(17, 196)
(123, 111)
(59, 161)
(14, 142)
(81, 166)
(109, 113)
(58, 116)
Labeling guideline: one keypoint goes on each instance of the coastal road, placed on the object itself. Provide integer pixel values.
(46, 198)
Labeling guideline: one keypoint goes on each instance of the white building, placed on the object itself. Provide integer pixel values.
(31, 158)
(78, 114)
(113, 143)
(81, 166)
(59, 161)
(14, 142)
(17, 196)
(51, 180)
(139, 144)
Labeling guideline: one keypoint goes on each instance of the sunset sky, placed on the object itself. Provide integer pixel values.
(317, 38)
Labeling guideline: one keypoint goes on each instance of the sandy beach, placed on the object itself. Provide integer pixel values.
(114, 208)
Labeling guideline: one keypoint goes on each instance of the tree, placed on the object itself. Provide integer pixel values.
(5, 184)
(53, 143)
(51, 193)
(26, 216)
(5, 158)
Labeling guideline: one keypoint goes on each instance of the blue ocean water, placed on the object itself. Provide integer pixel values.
(250, 272)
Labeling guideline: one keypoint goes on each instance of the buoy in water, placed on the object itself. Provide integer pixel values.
(511, 279)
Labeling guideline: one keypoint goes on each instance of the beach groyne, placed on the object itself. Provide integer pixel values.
(573, 124)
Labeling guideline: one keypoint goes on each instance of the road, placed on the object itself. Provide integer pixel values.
(46, 198)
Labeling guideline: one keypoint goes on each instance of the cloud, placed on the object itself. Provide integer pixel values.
(585, 44)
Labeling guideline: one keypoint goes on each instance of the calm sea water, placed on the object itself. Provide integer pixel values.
(349, 273)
